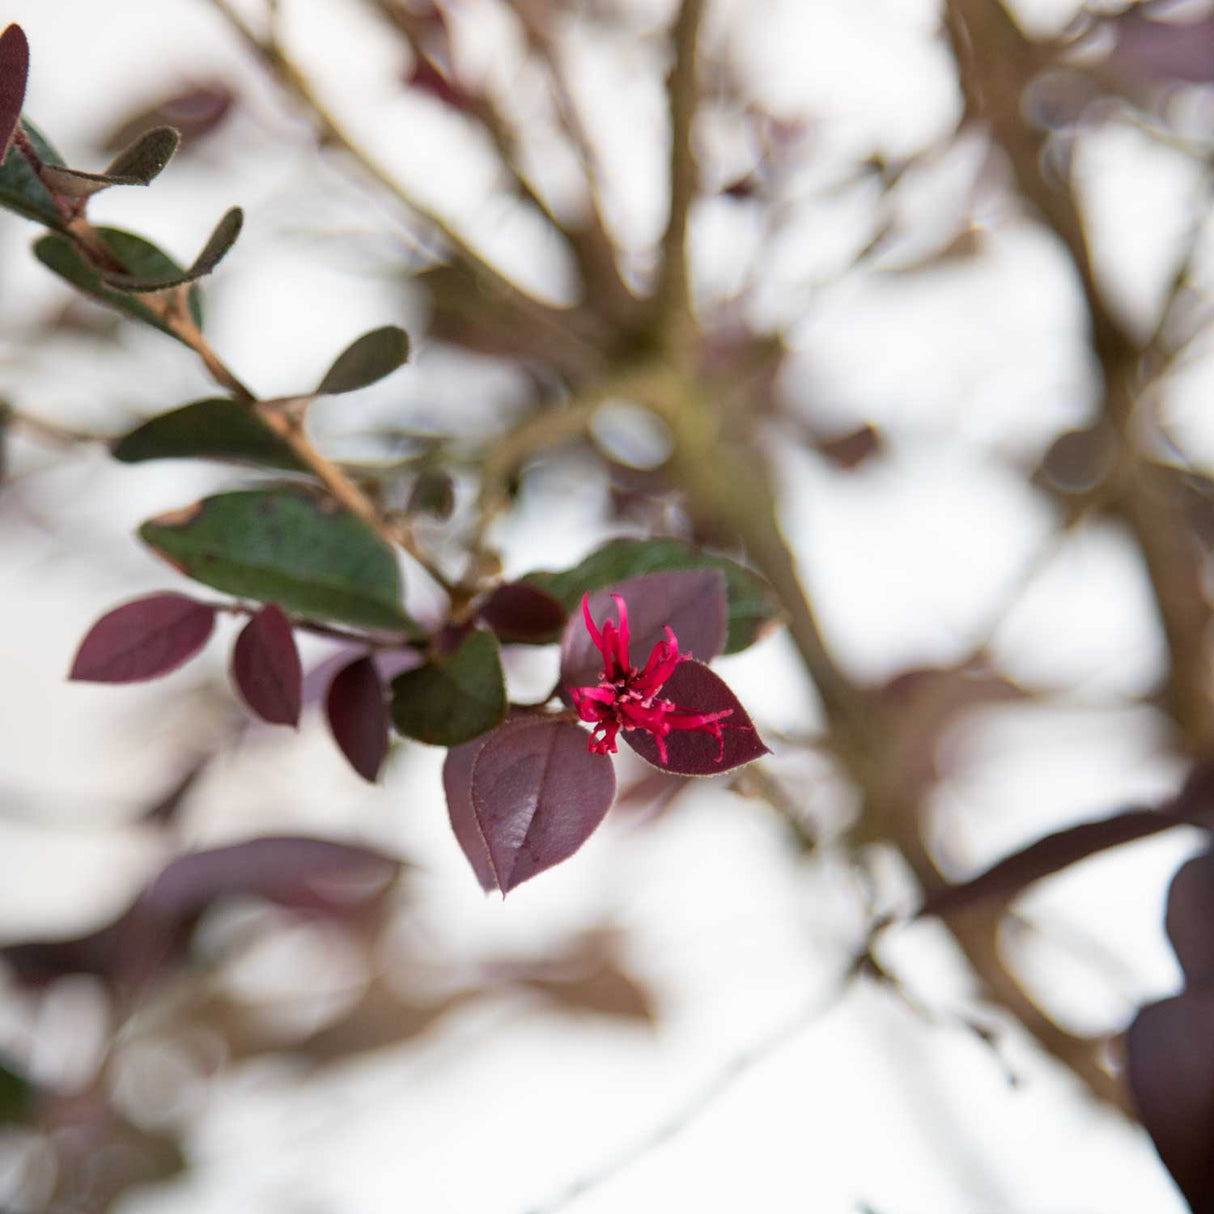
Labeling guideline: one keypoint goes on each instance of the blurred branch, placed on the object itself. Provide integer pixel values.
(555, 322)
(673, 298)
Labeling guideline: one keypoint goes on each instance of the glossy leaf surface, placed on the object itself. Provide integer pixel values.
(143, 640)
(751, 605)
(454, 699)
(285, 546)
(538, 794)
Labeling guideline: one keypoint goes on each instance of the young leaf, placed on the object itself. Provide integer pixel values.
(358, 717)
(217, 428)
(522, 614)
(457, 785)
(538, 794)
(59, 254)
(453, 699)
(21, 189)
(697, 752)
(267, 669)
(139, 164)
(143, 640)
(751, 605)
(432, 493)
(1170, 1057)
(370, 358)
(285, 546)
(691, 602)
(216, 249)
(14, 72)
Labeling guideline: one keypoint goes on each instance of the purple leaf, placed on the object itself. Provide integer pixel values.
(358, 716)
(14, 71)
(457, 784)
(1046, 856)
(1170, 1054)
(537, 793)
(143, 640)
(691, 601)
(1190, 918)
(523, 614)
(1164, 50)
(266, 667)
(696, 752)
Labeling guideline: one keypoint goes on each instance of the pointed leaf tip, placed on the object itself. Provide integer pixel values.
(266, 667)
(14, 73)
(143, 640)
(537, 794)
(365, 361)
(358, 716)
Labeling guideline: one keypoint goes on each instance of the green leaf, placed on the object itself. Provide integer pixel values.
(751, 604)
(139, 164)
(454, 699)
(59, 254)
(216, 249)
(217, 428)
(14, 1096)
(367, 360)
(285, 546)
(21, 189)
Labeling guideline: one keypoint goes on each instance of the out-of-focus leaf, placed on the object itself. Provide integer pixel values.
(217, 428)
(21, 188)
(522, 614)
(1163, 50)
(1046, 856)
(751, 605)
(1078, 460)
(194, 112)
(452, 699)
(143, 640)
(1190, 919)
(366, 361)
(216, 249)
(695, 688)
(59, 254)
(139, 164)
(538, 794)
(266, 667)
(14, 72)
(316, 876)
(1170, 1057)
(358, 716)
(848, 451)
(691, 602)
(432, 493)
(285, 546)
(457, 785)
(14, 1096)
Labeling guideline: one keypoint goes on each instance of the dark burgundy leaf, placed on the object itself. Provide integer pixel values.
(1046, 856)
(695, 688)
(457, 784)
(428, 79)
(195, 112)
(523, 614)
(1170, 1054)
(1190, 918)
(538, 793)
(143, 640)
(358, 716)
(14, 71)
(267, 669)
(690, 601)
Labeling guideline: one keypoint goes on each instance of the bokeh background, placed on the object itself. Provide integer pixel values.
(662, 1022)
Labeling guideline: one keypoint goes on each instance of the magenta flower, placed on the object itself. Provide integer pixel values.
(626, 698)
